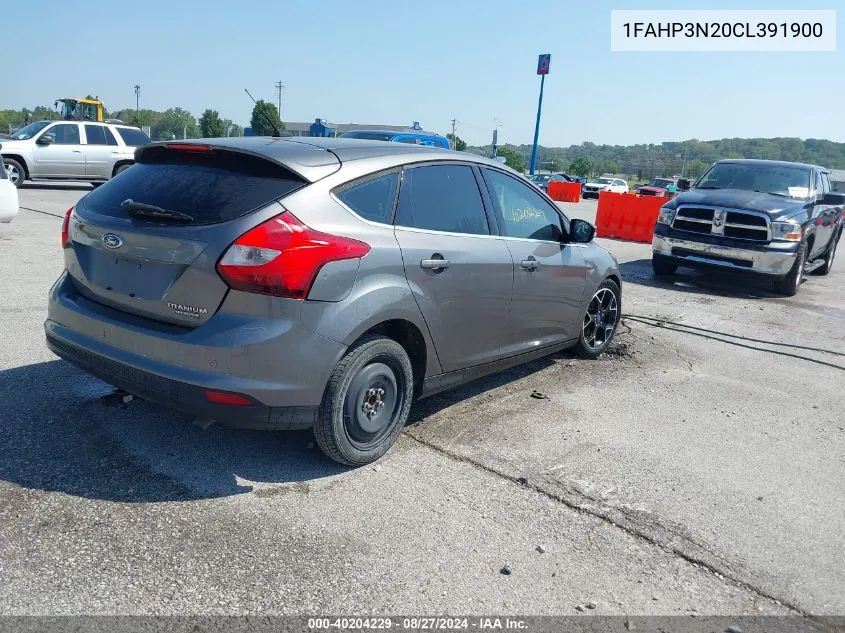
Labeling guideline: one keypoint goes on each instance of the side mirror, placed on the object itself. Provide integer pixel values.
(581, 231)
(684, 184)
(45, 139)
(831, 198)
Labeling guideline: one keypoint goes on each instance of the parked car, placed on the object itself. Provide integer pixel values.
(70, 150)
(542, 181)
(428, 139)
(663, 187)
(594, 188)
(8, 195)
(770, 218)
(283, 284)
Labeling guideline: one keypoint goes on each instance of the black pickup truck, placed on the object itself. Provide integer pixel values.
(771, 218)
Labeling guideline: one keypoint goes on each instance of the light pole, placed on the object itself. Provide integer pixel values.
(542, 69)
(137, 97)
(280, 86)
(496, 137)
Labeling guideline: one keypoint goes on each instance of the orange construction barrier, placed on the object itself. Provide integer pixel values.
(627, 217)
(565, 191)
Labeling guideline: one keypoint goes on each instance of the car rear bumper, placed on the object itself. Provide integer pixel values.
(771, 259)
(281, 367)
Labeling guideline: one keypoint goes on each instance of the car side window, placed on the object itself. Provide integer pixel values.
(372, 199)
(525, 213)
(825, 183)
(442, 198)
(110, 139)
(408, 139)
(95, 135)
(64, 134)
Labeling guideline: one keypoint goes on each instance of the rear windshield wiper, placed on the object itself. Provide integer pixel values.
(145, 211)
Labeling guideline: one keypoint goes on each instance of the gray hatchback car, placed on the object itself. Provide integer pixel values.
(321, 283)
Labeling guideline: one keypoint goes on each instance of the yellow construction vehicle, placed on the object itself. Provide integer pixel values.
(80, 109)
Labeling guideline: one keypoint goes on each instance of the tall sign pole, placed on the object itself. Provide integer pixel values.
(542, 70)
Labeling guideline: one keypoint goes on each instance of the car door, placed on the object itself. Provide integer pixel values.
(461, 274)
(101, 151)
(619, 186)
(824, 216)
(549, 273)
(64, 157)
(8, 196)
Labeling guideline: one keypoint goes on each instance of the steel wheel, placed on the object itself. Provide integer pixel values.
(13, 173)
(601, 319)
(373, 400)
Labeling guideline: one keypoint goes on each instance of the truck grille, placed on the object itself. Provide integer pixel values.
(740, 225)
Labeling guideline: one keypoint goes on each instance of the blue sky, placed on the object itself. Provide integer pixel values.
(375, 61)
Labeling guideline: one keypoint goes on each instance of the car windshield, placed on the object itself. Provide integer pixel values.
(540, 178)
(604, 181)
(660, 182)
(29, 131)
(373, 136)
(778, 180)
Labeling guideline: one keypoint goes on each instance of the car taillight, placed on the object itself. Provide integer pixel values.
(66, 229)
(282, 257)
(224, 397)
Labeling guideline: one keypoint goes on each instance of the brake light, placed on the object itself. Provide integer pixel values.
(66, 228)
(222, 397)
(281, 257)
(188, 147)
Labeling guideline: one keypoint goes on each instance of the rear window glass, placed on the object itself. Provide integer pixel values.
(373, 199)
(133, 137)
(208, 187)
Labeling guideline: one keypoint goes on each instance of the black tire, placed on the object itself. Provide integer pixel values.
(121, 169)
(661, 266)
(15, 171)
(346, 430)
(790, 284)
(828, 257)
(594, 340)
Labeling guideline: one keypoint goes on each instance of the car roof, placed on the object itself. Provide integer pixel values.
(770, 163)
(316, 157)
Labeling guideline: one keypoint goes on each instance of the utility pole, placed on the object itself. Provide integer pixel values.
(279, 87)
(137, 97)
(454, 138)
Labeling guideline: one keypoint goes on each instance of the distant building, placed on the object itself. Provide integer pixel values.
(321, 127)
(837, 180)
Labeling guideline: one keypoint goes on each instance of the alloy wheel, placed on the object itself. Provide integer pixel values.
(601, 319)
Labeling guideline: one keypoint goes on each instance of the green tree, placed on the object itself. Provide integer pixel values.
(513, 159)
(581, 166)
(175, 123)
(211, 125)
(232, 129)
(695, 168)
(611, 167)
(262, 111)
(457, 142)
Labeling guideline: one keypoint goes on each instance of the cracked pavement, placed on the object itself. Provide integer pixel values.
(676, 475)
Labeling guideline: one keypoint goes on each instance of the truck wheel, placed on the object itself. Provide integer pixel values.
(15, 171)
(121, 169)
(661, 266)
(366, 403)
(828, 258)
(790, 284)
(600, 320)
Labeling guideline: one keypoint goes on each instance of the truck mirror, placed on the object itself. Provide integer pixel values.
(684, 184)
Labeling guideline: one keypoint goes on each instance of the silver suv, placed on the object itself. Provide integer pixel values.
(321, 283)
(70, 150)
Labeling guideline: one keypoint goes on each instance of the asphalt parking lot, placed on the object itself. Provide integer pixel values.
(687, 471)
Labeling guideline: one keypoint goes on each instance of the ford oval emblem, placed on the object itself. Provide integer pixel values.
(110, 240)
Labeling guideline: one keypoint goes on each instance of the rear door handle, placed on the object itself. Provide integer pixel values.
(434, 264)
(530, 264)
